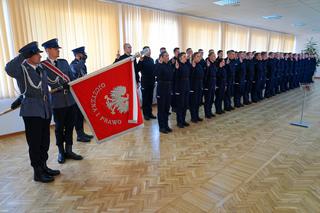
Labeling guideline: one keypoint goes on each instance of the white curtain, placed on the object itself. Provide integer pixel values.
(259, 40)
(200, 34)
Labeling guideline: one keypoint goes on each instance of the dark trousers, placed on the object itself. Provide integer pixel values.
(163, 104)
(182, 101)
(147, 98)
(268, 92)
(219, 98)
(208, 101)
(238, 93)
(78, 119)
(254, 91)
(278, 85)
(195, 102)
(247, 91)
(261, 88)
(64, 119)
(38, 138)
(227, 96)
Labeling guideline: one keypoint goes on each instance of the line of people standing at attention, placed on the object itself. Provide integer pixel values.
(188, 81)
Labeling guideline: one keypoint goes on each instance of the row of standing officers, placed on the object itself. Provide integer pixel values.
(187, 81)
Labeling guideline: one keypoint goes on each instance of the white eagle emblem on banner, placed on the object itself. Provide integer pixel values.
(118, 100)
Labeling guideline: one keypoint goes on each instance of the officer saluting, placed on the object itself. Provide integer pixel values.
(63, 104)
(147, 68)
(127, 53)
(79, 69)
(35, 107)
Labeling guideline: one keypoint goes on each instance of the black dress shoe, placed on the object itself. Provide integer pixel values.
(228, 109)
(50, 172)
(213, 115)
(208, 116)
(41, 176)
(83, 139)
(186, 124)
(194, 121)
(164, 131)
(61, 158)
(152, 117)
(219, 113)
(146, 118)
(169, 129)
(71, 155)
(180, 126)
(88, 136)
(200, 119)
(232, 108)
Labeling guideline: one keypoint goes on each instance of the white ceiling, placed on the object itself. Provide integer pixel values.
(249, 12)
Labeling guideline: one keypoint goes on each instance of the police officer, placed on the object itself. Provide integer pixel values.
(220, 54)
(79, 69)
(35, 107)
(264, 61)
(162, 49)
(189, 52)
(176, 52)
(230, 69)
(221, 85)
(249, 78)
(258, 69)
(209, 84)
(164, 73)
(270, 76)
(202, 62)
(146, 67)
(240, 80)
(127, 48)
(63, 104)
(182, 88)
(196, 87)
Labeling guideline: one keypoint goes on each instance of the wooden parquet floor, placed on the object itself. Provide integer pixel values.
(249, 160)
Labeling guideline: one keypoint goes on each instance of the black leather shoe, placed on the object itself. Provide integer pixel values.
(208, 116)
(83, 139)
(200, 119)
(71, 155)
(169, 129)
(61, 158)
(88, 136)
(180, 126)
(219, 113)
(152, 117)
(146, 118)
(49, 171)
(164, 131)
(186, 124)
(41, 176)
(194, 121)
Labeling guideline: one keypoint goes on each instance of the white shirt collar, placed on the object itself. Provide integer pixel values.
(51, 60)
(33, 66)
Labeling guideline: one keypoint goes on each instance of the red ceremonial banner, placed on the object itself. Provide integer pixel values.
(109, 100)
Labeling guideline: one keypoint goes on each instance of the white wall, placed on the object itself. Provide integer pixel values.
(301, 41)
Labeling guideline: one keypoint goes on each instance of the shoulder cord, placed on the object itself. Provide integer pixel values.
(27, 77)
